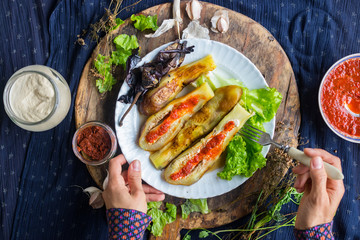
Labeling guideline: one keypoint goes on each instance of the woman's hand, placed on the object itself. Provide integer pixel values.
(125, 190)
(322, 195)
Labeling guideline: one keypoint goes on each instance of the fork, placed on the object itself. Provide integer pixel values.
(264, 139)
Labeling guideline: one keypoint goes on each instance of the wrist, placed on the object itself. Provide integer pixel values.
(308, 224)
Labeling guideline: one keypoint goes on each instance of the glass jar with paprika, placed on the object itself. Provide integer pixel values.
(94, 143)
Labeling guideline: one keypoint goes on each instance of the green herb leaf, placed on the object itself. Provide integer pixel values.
(187, 237)
(118, 22)
(203, 234)
(160, 218)
(142, 22)
(194, 205)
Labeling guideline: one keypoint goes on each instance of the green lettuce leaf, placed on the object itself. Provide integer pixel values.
(119, 57)
(103, 66)
(160, 218)
(124, 46)
(244, 156)
(264, 101)
(145, 22)
(194, 205)
(126, 42)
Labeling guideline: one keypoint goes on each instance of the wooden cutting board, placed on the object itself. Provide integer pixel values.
(257, 44)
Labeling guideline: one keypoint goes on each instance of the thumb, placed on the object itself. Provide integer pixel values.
(318, 176)
(134, 177)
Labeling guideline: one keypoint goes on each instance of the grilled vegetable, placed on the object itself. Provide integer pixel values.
(192, 164)
(201, 123)
(143, 78)
(172, 83)
(162, 127)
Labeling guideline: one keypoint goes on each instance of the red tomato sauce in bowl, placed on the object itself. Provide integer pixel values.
(341, 87)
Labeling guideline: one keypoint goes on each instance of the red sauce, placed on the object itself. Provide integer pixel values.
(177, 112)
(342, 86)
(95, 142)
(212, 150)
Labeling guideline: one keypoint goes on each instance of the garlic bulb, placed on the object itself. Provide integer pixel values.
(193, 9)
(220, 21)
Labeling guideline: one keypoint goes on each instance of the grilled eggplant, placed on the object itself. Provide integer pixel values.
(200, 124)
(162, 127)
(192, 164)
(172, 83)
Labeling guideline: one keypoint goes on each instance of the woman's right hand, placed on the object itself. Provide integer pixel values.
(322, 195)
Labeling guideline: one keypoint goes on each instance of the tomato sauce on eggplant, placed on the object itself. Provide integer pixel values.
(209, 151)
(177, 112)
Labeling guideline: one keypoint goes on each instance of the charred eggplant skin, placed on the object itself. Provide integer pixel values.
(172, 83)
(161, 127)
(200, 124)
(192, 164)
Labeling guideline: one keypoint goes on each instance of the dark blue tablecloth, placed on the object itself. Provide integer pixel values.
(39, 175)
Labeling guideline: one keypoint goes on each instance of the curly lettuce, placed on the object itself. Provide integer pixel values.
(160, 218)
(144, 22)
(124, 46)
(194, 205)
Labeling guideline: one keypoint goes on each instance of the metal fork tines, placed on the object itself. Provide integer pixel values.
(261, 137)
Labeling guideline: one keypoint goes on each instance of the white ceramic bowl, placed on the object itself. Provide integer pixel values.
(338, 132)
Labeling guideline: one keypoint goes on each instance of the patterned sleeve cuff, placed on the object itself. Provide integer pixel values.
(322, 231)
(126, 223)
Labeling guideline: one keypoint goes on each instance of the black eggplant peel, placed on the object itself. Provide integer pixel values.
(141, 79)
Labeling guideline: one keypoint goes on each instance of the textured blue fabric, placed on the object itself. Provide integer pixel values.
(38, 171)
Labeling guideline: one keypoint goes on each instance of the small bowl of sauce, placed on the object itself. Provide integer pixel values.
(339, 98)
(94, 143)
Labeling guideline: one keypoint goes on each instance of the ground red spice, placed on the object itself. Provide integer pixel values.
(95, 142)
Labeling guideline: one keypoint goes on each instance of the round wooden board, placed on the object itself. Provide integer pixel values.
(256, 43)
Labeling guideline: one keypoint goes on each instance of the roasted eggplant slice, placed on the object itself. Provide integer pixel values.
(192, 164)
(172, 83)
(200, 124)
(162, 127)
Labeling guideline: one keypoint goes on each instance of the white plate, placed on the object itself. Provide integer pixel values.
(230, 64)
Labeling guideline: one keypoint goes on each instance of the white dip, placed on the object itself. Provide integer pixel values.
(32, 97)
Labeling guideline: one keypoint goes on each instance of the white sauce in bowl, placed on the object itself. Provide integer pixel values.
(37, 98)
(32, 97)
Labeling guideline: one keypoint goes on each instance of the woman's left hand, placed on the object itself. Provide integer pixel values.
(125, 190)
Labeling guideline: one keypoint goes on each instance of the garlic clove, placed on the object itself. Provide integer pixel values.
(221, 25)
(96, 201)
(193, 9)
(106, 180)
(165, 26)
(220, 21)
(91, 190)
